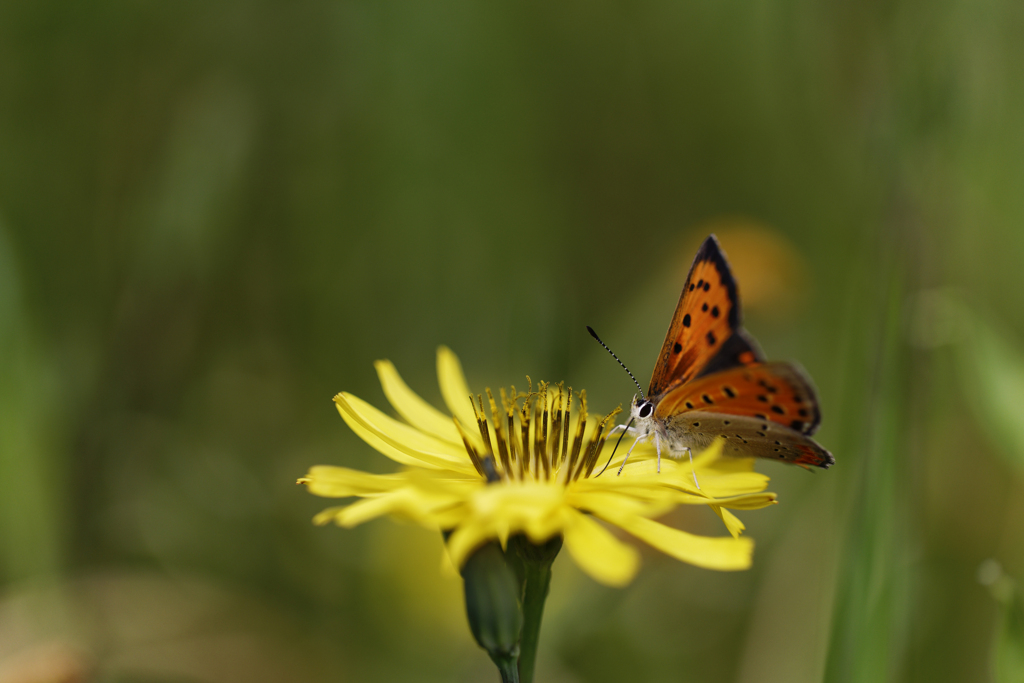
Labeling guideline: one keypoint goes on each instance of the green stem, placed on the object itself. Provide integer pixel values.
(536, 569)
(508, 669)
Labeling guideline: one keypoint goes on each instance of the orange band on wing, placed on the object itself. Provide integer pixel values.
(778, 392)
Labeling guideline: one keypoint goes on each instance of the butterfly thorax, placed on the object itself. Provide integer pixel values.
(672, 436)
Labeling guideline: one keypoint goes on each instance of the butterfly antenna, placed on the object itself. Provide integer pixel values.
(594, 335)
(620, 436)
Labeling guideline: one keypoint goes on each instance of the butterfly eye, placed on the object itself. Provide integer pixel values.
(646, 409)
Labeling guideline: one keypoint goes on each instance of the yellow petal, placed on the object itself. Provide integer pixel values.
(364, 432)
(727, 485)
(709, 454)
(409, 503)
(624, 502)
(721, 553)
(753, 501)
(714, 481)
(414, 409)
(732, 522)
(607, 559)
(749, 501)
(369, 508)
(454, 389)
(326, 516)
(466, 538)
(399, 441)
(340, 482)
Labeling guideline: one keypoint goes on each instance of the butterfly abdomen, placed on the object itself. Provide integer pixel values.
(681, 433)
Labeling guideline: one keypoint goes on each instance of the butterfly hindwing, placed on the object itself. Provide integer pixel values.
(706, 318)
(748, 436)
(774, 392)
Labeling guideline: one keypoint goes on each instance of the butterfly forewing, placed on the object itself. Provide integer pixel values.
(706, 318)
(773, 392)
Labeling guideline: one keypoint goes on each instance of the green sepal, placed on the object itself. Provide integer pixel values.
(493, 608)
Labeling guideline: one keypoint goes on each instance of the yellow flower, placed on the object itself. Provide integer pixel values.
(532, 469)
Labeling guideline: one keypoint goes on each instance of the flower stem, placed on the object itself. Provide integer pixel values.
(536, 577)
(508, 669)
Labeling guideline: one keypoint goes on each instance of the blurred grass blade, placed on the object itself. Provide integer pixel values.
(30, 537)
(992, 372)
(1008, 638)
(1009, 646)
(870, 621)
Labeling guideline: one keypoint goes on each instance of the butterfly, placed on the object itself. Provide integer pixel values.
(711, 381)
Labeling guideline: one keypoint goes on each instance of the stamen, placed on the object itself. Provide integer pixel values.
(524, 424)
(577, 443)
(540, 432)
(481, 421)
(499, 434)
(565, 430)
(556, 428)
(597, 441)
(473, 455)
(545, 453)
(510, 412)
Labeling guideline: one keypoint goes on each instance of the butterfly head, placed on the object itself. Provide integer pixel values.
(642, 412)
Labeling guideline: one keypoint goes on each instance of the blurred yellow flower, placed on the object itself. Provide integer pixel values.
(541, 481)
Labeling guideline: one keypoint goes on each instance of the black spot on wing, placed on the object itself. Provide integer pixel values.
(804, 394)
(711, 251)
(729, 353)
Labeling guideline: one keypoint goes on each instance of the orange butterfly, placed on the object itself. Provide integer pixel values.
(712, 381)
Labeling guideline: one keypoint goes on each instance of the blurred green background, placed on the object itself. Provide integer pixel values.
(215, 216)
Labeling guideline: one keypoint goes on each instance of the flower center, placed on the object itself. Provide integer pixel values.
(532, 440)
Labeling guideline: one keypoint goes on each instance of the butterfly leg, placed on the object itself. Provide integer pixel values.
(692, 471)
(628, 453)
(657, 444)
(624, 428)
